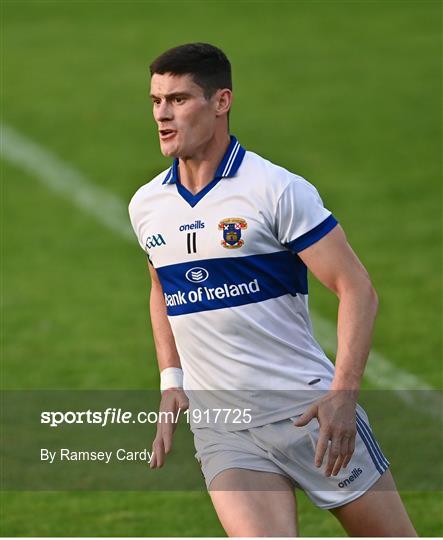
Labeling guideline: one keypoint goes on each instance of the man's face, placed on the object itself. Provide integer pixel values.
(184, 117)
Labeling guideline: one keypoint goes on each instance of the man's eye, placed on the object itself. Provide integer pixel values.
(179, 100)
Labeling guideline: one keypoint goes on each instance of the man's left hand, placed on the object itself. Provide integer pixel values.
(336, 415)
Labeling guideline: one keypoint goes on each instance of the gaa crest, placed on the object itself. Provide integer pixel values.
(232, 228)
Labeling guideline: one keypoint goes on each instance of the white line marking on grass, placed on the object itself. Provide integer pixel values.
(111, 212)
(384, 375)
(381, 372)
(63, 179)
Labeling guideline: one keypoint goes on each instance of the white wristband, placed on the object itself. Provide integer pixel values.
(171, 377)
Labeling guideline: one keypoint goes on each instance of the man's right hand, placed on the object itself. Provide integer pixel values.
(173, 400)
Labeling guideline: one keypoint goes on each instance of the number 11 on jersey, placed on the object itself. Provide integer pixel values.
(191, 241)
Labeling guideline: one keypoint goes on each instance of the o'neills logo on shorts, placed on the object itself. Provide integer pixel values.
(355, 474)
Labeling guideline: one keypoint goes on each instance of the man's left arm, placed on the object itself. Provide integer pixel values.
(335, 264)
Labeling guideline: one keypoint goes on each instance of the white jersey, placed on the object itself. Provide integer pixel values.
(235, 289)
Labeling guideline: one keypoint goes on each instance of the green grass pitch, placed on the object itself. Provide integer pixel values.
(346, 94)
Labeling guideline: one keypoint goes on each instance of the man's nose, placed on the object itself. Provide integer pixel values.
(163, 112)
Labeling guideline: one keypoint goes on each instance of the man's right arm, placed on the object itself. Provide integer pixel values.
(173, 398)
(167, 354)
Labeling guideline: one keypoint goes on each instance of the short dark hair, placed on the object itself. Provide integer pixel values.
(208, 66)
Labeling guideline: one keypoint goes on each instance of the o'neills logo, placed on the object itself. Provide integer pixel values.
(198, 224)
(355, 474)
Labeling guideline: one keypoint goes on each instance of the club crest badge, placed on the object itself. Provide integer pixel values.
(232, 228)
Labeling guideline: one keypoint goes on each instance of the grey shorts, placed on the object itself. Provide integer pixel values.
(284, 449)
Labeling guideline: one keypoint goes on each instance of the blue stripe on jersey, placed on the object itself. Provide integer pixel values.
(227, 167)
(228, 282)
(168, 176)
(192, 199)
(312, 236)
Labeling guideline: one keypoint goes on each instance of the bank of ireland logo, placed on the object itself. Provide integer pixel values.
(156, 240)
(232, 228)
(197, 274)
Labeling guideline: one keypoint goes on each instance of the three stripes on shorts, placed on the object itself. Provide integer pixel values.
(380, 462)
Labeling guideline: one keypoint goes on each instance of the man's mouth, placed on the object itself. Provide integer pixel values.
(166, 134)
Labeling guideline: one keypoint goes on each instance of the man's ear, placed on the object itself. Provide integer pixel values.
(223, 101)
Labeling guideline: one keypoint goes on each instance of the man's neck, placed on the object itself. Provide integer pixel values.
(197, 172)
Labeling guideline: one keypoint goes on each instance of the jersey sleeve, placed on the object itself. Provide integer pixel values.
(301, 217)
(135, 216)
(134, 211)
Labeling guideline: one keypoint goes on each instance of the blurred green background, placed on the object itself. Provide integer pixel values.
(347, 94)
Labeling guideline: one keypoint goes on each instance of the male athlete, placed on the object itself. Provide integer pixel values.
(229, 237)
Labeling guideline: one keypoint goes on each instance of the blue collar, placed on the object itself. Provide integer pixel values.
(227, 168)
